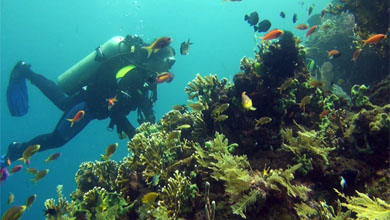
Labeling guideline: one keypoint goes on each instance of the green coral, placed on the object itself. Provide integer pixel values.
(127, 180)
(156, 150)
(240, 206)
(365, 207)
(306, 142)
(381, 120)
(207, 90)
(174, 195)
(326, 212)
(359, 97)
(91, 174)
(366, 126)
(233, 170)
(205, 155)
(102, 204)
(304, 211)
(59, 209)
(283, 178)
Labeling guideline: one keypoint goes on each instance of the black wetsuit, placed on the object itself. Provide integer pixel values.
(136, 90)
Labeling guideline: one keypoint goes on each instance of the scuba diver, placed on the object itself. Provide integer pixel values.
(120, 76)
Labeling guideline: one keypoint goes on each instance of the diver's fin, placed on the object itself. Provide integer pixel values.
(17, 96)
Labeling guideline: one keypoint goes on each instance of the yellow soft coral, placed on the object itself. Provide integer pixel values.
(365, 207)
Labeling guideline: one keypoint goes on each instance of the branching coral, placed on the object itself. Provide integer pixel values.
(306, 142)
(102, 204)
(128, 180)
(91, 174)
(175, 194)
(55, 211)
(366, 126)
(156, 151)
(365, 207)
(207, 90)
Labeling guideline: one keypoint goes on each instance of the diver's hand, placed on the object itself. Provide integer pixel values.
(3, 161)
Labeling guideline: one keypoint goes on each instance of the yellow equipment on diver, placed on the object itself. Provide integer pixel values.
(72, 80)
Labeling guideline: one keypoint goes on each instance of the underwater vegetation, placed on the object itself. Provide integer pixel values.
(279, 142)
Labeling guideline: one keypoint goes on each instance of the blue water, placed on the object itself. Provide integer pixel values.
(54, 35)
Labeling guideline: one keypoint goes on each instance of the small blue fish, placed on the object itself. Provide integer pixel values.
(343, 183)
(156, 179)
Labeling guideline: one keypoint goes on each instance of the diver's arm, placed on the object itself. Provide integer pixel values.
(146, 108)
(123, 126)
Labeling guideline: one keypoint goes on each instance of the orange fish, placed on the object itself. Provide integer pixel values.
(374, 39)
(77, 117)
(164, 77)
(16, 169)
(111, 102)
(157, 45)
(333, 54)
(356, 54)
(302, 27)
(272, 35)
(311, 30)
(324, 113)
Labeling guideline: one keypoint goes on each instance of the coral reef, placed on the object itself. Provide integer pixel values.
(303, 137)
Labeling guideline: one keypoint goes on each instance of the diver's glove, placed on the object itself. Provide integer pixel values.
(3, 160)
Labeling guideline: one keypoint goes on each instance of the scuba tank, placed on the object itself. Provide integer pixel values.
(77, 76)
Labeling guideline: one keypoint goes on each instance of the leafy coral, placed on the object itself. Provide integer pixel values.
(365, 207)
(283, 178)
(326, 211)
(306, 142)
(240, 206)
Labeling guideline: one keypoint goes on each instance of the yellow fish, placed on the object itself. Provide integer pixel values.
(30, 200)
(110, 150)
(262, 121)
(27, 154)
(149, 197)
(246, 102)
(40, 175)
(14, 213)
(11, 198)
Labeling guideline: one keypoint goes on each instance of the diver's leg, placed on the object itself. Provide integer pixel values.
(60, 136)
(49, 89)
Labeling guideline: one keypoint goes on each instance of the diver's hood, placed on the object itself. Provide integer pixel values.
(161, 61)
